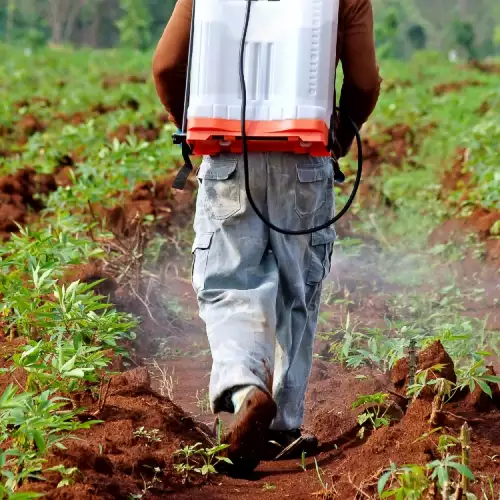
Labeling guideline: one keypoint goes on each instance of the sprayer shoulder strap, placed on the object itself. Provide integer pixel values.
(183, 174)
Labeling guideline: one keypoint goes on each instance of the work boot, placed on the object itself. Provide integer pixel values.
(247, 436)
(296, 442)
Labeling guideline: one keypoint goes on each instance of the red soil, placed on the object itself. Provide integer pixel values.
(479, 223)
(79, 117)
(25, 103)
(458, 178)
(114, 462)
(18, 197)
(4, 130)
(392, 147)
(445, 88)
(485, 67)
(390, 85)
(112, 459)
(115, 81)
(157, 199)
(148, 133)
(30, 124)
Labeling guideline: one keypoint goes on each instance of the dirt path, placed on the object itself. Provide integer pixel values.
(347, 464)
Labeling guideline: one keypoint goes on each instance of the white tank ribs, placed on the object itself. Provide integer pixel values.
(289, 62)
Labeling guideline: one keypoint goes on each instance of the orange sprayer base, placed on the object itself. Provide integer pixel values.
(208, 136)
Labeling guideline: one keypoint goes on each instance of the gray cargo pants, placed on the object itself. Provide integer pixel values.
(258, 290)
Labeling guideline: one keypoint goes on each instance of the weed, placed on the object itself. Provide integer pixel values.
(166, 381)
(476, 373)
(375, 415)
(403, 483)
(149, 434)
(448, 474)
(303, 464)
(68, 475)
(268, 487)
(326, 492)
(202, 461)
(147, 485)
(203, 402)
(319, 475)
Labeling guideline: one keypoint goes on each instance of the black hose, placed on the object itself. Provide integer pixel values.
(245, 150)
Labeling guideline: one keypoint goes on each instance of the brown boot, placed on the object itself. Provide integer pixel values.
(247, 436)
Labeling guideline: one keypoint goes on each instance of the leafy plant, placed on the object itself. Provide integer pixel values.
(476, 373)
(440, 469)
(405, 483)
(375, 415)
(423, 379)
(202, 461)
(68, 475)
(268, 487)
(149, 434)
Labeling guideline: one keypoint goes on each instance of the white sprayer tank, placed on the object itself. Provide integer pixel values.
(289, 68)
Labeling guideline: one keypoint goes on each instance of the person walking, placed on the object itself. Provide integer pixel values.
(258, 290)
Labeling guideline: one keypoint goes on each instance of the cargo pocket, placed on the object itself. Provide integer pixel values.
(200, 251)
(321, 255)
(219, 181)
(311, 188)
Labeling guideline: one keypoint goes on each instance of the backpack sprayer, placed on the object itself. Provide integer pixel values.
(288, 54)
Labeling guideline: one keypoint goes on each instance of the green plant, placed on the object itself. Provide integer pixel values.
(203, 402)
(303, 464)
(404, 483)
(411, 481)
(68, 475)
(40, 422)
(445, 443)
(6, 494)
(440, 469)
(202, 461)
(423, 379)
(268, 487)
(476, 373)
(369, 347)
(375, 414)
(488, 490)
(319, 474)
(148, 484)
(149, 434)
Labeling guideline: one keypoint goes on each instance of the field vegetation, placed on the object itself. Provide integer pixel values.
(99, 345)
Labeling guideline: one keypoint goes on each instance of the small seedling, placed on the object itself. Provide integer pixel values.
(478, 374)
(150, 435)
(269, 487)
(440, 470)
(375, 415)
(202, 461)
(203, 402)
(423, 379)
(404, 483)
(303, 464)
(147, 485)
(326, 492)
(68, 475)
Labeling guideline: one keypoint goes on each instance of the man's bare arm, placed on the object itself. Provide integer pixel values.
(171, 59)
(361, 86)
